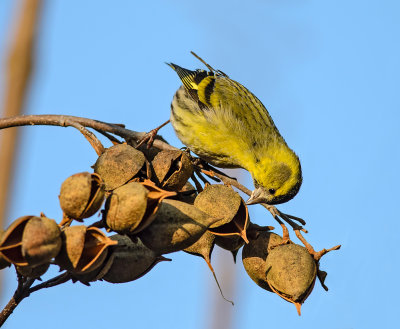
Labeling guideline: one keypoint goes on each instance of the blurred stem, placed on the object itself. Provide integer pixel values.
(18, 74)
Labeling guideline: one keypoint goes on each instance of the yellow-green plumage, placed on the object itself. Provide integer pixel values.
(225, 124)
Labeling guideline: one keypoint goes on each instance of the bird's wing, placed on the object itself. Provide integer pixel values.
(217, 90)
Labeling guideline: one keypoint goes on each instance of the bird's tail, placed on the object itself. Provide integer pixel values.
(187, 76)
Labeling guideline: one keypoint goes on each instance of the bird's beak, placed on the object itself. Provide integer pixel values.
(257, 196)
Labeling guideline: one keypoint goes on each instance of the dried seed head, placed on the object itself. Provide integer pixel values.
(221, 201)
(33, 272)
(119, 164)
(41, 240)
(172, 168)
(31, 241)
(176, 227)
(130, 260)
(254, 256)
(83, 250)
(132, 207)
(3, 262)
(81, 195)
(291, 273)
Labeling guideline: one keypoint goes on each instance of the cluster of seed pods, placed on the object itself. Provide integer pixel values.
(149, 209)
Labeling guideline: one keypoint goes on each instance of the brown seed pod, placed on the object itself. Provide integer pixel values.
(254, 255)
(221, 201)
(31, 240)
(33, 272)
(83, 249)
(130, 260)
(203, 248)
(291, 273)
(187, 193)
(3, 262)
(81, 195)
(172, 168)
(41, 240)
(176, 227)
(132, 207)
(119, 164)
(231, 243)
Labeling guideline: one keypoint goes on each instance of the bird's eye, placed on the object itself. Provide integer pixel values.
(271, 191)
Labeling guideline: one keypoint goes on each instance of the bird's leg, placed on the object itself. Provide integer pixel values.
(149, 137)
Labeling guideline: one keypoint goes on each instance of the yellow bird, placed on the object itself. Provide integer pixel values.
(226, 125)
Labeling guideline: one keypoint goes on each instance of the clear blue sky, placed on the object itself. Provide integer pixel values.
(328, 71)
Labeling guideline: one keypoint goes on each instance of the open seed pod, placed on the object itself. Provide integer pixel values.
(291, 273)
(129, 260)
(132, 207)
(254, 255)
(222, 202)
(33, 272)
(31, 240)
(81, 195)
(176, 227)
(119, 164)
(83, 249)
(3, 262)
(172, 168)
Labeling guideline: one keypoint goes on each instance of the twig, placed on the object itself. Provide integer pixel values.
(113, 140)
(24, 290)
(92, 139)
(60, 279)
(20, 293)
(66, 120)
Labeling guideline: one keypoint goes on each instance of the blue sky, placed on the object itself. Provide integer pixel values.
(328, 72)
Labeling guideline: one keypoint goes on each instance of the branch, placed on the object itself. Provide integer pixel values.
(24, 290)
(67, 120)
(20, 293)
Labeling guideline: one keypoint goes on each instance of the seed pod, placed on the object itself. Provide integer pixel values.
(81, 195)
(254, 255)
(41, 240)
(187, 193)
(31, 241)
(33, 272)
(130, 260)
(177, 226)
(222, 202)
(203, 247)
(172, 168)
(83, 249)
(132, 207)
(291, 273)
(3, 262)
(119, 164)
(231, 243)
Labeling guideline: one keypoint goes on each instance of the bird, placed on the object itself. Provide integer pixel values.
(225, 124)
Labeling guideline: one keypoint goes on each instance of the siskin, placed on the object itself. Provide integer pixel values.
(226, 125)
